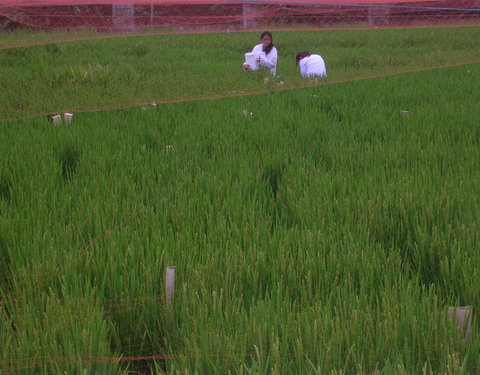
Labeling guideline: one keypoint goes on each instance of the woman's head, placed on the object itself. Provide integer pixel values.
(267, 41)
(301, 55)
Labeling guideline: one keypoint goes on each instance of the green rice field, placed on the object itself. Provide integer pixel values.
(321, 230)
(118, 72)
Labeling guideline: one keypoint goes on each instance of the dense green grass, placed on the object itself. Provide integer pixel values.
(93, 74)
(326, 233)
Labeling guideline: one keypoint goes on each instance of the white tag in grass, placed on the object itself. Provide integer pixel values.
(67, 117)
(57, 119)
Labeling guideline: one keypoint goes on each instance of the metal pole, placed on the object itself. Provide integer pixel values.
(244, 16)
(151, 15)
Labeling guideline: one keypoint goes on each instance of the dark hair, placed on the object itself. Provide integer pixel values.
(270, 47)
(301, 55)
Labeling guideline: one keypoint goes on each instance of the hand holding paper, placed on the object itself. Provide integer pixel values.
(253, 60)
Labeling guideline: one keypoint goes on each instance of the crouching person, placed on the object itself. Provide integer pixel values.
(311, 65)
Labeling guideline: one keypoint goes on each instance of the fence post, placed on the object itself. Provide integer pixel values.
(170, 281)
(151, 15)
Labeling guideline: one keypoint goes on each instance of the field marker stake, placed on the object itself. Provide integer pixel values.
(170, 281)
(67, 117)
(463, 318)
(57, 119)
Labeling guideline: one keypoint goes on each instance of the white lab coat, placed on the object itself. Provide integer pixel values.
(270, 62)
(312, 66)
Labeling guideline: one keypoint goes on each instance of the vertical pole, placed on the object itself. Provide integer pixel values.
(244, 16)
(170, 281)
(371, 19)
(151, 15)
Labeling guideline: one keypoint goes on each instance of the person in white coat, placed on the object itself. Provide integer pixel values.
(269, 61)
(311, 65)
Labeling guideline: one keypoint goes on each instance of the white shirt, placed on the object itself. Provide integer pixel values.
(270, 62)
(312, 65)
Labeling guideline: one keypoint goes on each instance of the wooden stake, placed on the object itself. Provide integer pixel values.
(463, 318)
(170, 281)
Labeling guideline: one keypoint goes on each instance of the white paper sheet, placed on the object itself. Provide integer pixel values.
(251, 59)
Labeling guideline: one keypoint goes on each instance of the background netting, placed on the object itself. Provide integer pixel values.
(198, 15)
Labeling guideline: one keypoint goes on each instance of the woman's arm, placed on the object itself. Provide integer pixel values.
(256, 49)
(303, 67)
(270, 61)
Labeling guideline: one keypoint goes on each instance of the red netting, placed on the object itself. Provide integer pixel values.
(219, 14)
